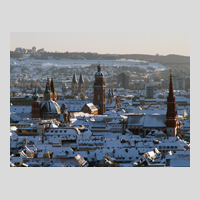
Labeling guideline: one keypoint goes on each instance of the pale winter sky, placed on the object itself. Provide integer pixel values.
(163, 43)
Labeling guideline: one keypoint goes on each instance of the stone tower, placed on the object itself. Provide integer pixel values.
(171, 117)
(35, 105)
(81, 85)
(74, 85)
(99, 91)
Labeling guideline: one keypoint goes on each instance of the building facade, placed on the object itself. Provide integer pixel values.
(149, 91)
(123, 80)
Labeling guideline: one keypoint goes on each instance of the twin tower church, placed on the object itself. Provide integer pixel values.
(99, 90)
(49, 107)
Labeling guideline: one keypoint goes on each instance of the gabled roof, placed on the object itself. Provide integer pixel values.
(136, 119)
(91, 106)
(155, 121)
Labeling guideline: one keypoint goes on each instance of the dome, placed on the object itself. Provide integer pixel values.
(49, 107)
(99, 73)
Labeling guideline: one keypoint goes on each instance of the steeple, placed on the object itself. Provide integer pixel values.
(35, 95)
(81, 80)
(81, 85)
(74, 80)
(35, 105)
(52, 88)
(47, 95)
(171, 116)
(74, 85)
(47, 85)
(171, 97)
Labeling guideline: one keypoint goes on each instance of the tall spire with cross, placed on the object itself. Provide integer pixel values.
(171, 116)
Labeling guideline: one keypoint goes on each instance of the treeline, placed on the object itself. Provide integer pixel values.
(15, 54)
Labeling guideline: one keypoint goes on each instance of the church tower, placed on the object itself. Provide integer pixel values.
(35, 105)
(74, 85)
(81, 85)
(53, 91)
(99, 91)
(47, 94)
(171, 117)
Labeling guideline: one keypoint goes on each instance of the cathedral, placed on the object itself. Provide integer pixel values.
(78, 86)
(168, 123)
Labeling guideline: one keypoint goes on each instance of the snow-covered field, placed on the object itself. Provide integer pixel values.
(68, 63)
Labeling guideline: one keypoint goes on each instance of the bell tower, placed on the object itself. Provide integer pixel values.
(171, 117)
(99, 91)
(81, 84)
(74, 85)
(35, 105)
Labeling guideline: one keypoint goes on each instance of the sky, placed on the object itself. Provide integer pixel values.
(162, 43)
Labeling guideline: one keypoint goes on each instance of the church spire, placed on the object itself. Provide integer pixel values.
(171, 116)
(35, 95)
(47, 85)
(74, 80)
(81, 80)
(47, 91)
(171, 93)
(52, 89)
